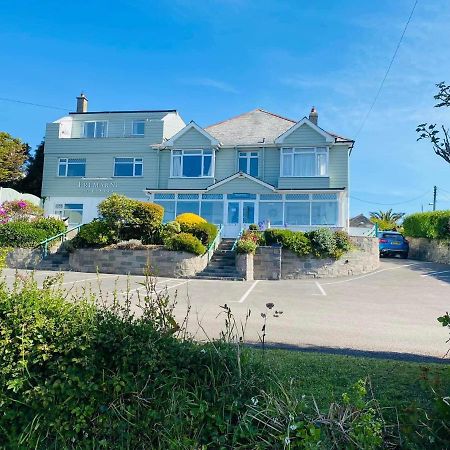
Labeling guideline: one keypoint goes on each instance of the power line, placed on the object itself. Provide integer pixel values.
(387, 71)
(390, 204)
(32, 104)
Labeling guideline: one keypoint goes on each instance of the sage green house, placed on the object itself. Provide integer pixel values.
(257, 167)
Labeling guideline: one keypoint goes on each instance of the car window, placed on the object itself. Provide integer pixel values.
(392, 236)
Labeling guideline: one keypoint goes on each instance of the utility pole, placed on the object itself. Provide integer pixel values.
(434, 198)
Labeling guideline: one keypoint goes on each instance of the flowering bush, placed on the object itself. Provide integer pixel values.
(186, 220)
(246, 246)
(18, 210)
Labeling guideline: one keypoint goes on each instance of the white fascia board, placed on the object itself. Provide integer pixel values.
(304, 121)
(189, 126)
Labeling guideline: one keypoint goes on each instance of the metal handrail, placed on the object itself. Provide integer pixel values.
(238, 237)
(215, 243)
(62, 236)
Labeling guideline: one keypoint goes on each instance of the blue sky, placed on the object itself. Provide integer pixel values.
(213, 59)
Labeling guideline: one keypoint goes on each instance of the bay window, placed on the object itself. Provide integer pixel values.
(192, 163)
(304, 162)
(248, 163)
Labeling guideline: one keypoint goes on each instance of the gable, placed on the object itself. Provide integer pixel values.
(304, 136)
(191, 138)
(240, 184)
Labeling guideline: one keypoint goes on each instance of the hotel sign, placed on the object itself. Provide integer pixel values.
(98, 186)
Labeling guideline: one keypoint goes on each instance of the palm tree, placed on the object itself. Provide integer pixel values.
(387, 216)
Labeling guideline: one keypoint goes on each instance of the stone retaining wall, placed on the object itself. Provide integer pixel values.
(163, 263)
(274, 263)
(433, 250)
(24, 258)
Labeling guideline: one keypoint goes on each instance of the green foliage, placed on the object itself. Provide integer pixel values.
(13, 153)
(185, 242)
(204, 231)
(253, 227)
(50, 225)
(95, 233)
(246, 246)
(323, 243)
(189, 219)
(132, 219)
(431, 225)
(169, 229)
(387, 216)
(3, 254)
(385, 225)
(296, 241)
(343, 243)
(21, 234)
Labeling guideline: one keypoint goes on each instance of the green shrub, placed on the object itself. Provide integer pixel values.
(95, 233)
(117, 209)
(323, 243)
(253, 227)
(3, 254)
(343, 243)
(185, 242)
(204, 231)
(385, 225)
(246, 246)
(431, 225)
(295, 241)
(189, 219)
(22, 234)
(50, 225)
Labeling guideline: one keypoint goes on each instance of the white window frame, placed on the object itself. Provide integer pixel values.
(247, 155)
(65, 162)
(60, 208)
(132, 127)
(105, 131)
(137, 160)
(200, 152)
(302, 150)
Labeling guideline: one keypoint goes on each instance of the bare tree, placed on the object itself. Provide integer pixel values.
(439, 136)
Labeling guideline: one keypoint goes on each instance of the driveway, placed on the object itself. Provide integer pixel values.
(391, 310)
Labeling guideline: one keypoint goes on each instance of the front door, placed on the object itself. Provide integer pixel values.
(240, 214)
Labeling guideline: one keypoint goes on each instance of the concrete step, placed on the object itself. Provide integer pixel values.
(213, 277)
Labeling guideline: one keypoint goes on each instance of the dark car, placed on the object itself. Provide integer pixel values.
(392, 243)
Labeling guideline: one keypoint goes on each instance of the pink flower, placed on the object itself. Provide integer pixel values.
(21, 204)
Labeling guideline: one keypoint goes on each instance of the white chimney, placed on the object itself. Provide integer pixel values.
(313, 116)
(82, 104)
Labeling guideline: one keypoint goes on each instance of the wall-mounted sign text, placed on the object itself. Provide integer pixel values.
(98, 186)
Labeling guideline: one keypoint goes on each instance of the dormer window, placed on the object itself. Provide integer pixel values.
(192, 163)
(95, 129)
(304, 162)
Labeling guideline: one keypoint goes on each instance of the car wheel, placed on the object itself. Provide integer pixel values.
(403, 255)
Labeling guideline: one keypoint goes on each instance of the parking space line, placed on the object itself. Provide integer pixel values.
(321, 289)
(370, 274)
(247, 292)
(100, 277)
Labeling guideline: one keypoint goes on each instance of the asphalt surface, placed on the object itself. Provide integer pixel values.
(391, 312)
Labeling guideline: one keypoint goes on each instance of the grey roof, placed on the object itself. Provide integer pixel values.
(360, 221)
(253, 128)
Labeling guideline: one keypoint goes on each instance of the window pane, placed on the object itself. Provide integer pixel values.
(297, 213)
(138, 127)
(123, 169)
(192, 166)
(287, 165)
(100, 129)
(74, 213)
(212, 212)
(207, 166)
(191, 207)
(138, 169)
(233, 212)
(169, 210)
(322, 164)
(89, 129)
(271, 212)
(304, 164)
(324, 213)
(243, 164)
(176, 166)
(76, 169)
(254, 167)
(62, 169)
(248, 212)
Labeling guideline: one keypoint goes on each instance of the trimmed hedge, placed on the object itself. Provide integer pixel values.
(185, 242)
(204, 231)
(295, 241)
(95, 233)
(246, 246)
(25, 234)
(189, 219)
(431, 225)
